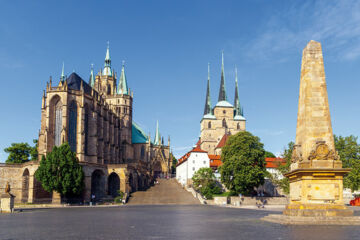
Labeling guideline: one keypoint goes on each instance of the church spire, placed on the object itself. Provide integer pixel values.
(107, 65)
(62, 77)
(123, 87)
(237, 107)
(207, 109)
(222, 90)
(92, 77)
(157, 139)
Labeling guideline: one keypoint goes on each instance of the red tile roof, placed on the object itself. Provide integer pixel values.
(223, 140)
(274, 162)
(198, 149)
(187, 155)
(215, 161)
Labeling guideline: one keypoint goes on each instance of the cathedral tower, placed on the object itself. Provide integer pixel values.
(222, 120)
(105, 81)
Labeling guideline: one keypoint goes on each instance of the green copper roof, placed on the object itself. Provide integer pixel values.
(122, 86)
(237, 107)
(107, 65)
(222, 90)
(62, 77)
(138, 135)
(207, 109)
(92, 77)
(157, 139)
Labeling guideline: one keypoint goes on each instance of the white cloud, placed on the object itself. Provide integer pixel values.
(334, 23)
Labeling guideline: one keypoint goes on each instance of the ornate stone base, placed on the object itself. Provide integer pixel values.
(318, 210)
(7, 203)
(298, 220)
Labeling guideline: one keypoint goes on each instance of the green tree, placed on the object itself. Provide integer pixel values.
(349, 152)
(279, 180)
(204, 181)
(269, 155)
(243, 159)
(34, 151)
(18, 153)
(61, 172)
(173, 163)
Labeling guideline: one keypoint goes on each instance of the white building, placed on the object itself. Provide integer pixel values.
(190, 163)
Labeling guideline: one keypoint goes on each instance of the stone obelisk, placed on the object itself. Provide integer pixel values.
(316, 173)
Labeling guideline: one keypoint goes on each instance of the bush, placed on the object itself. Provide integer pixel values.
(204, 181)
(120, 197)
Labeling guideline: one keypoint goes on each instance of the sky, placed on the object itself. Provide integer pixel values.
(167, 45)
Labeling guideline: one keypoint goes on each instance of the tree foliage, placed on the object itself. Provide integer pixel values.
(269, 155)
(20, 152)
(60, 171)
(349, 152)
(243, 159)
(279, 180)
(204, 181)
(173, 163)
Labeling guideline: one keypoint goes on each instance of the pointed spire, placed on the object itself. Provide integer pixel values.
(222, 90)
(237, 107)
(92, 77)
(122, 86)
(107, 65)
(157, 139)
(62, 77)
(207, 109)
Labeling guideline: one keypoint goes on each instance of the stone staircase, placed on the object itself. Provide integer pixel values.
(168, 191)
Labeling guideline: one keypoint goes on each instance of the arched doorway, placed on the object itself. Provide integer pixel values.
(113, 185)
(97, 184)
(131, 182)
(25, 186)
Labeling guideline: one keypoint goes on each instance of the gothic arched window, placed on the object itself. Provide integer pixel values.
(72, 125)
(238, 126)
(58, 123)
(224, 123)
(86, 129)
(209, 125)
(142, 153)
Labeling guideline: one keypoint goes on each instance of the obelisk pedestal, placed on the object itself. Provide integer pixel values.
(316, 173)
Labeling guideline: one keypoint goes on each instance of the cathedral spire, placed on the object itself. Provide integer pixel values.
(123, 87)
(157, 139)
(92, 77)
(222, 90)
(107, 65)
(237, 107)
(62, 77)
(207, 109)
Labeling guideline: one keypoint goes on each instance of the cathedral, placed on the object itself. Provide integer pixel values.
(222, 120)
(96, 118)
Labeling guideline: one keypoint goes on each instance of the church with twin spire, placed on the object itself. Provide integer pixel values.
(222, 120)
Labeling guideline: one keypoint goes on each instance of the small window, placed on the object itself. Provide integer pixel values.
(193, 161)
(224, 123)
(209, 125)
(224, 112)
(204, 162)
(238, 126)
(193, 168)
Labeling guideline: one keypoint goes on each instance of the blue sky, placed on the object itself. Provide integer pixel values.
(167, 46)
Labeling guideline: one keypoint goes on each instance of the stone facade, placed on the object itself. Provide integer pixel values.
(95, 118)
